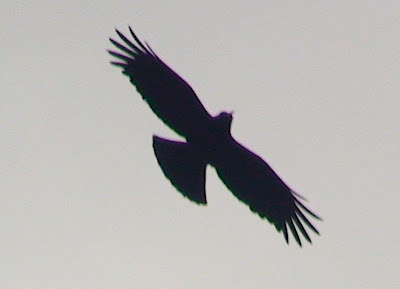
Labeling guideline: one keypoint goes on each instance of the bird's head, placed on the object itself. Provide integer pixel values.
(224, 121)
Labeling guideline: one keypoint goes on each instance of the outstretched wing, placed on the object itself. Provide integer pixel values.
(167, 94)
(253, 182)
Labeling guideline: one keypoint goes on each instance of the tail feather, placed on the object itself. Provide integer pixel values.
(183, 167)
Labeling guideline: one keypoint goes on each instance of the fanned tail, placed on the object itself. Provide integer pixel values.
(183, 167)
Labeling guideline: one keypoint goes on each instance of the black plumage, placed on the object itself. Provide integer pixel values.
(208, 142)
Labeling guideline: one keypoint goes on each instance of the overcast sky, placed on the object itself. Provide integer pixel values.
(315, 87)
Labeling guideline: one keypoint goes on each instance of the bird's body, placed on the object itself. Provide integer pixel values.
(208, 142)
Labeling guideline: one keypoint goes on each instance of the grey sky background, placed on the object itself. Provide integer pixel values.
(315, 90)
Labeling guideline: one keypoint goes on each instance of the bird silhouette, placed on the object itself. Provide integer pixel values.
(208, 142)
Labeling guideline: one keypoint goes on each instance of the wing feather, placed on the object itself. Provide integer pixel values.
(168, 95)
(285, 233)
(301, 227)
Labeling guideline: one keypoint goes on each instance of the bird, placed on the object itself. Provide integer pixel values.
(208, 141)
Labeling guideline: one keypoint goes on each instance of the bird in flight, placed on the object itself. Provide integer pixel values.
(208, 142)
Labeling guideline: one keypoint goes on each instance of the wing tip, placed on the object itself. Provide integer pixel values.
(297, 222)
